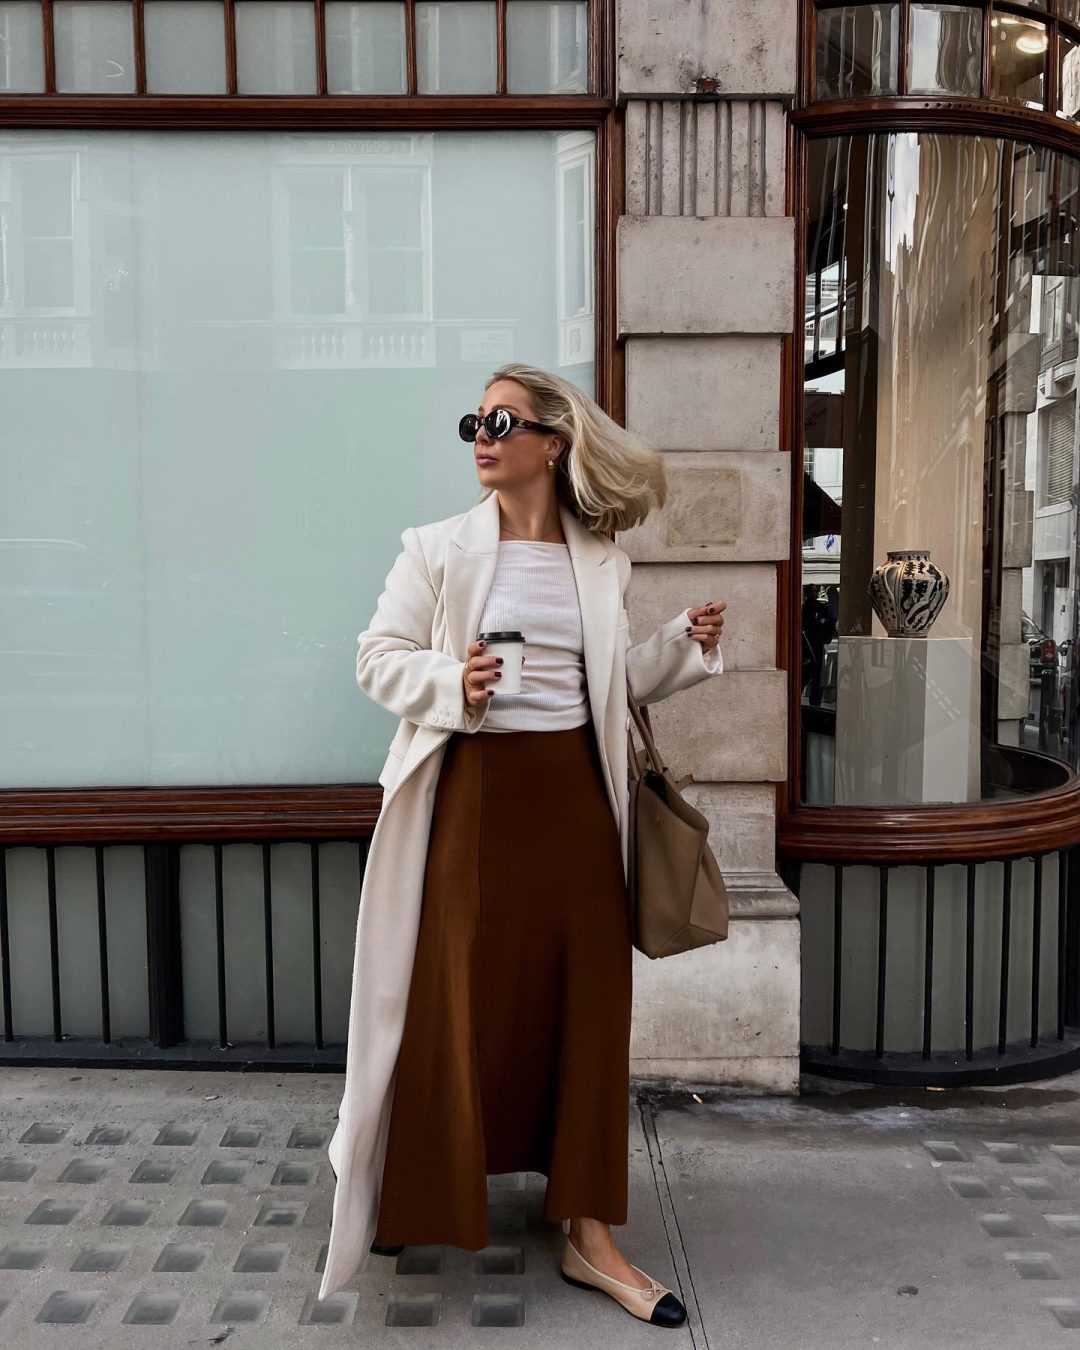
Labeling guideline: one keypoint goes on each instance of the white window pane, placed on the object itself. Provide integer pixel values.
(95, 47)
(275, 47)
(455, 47)
(185, 46)
(22, 64)
(546, 47)
(365, 48)
(210, 457)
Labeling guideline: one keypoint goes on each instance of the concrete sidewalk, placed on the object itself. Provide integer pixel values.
(177, 1209)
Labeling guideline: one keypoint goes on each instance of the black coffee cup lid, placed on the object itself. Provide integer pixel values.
(503, 635)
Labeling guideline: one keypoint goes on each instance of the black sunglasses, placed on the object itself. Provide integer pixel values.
(497, 423)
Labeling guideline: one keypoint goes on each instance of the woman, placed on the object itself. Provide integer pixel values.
(490, 1017)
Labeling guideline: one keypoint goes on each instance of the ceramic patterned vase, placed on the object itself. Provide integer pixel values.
(908, 592)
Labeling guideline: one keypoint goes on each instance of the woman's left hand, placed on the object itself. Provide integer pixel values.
(708, 623)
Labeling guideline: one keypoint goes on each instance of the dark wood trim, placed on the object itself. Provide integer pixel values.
(188, 814)
(336, 112)
(984, 117)
(48, 46)
(500, 46)
(977, 832)
(320, 47)
(138, 38)
(410, 47)
(230, 47)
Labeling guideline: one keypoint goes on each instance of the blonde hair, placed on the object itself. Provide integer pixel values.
(609, 477)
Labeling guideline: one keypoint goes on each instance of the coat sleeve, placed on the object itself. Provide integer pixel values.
(668, 660)
(395, 664)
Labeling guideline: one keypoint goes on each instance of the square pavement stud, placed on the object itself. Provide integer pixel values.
(225, 1173)
(128, 1214)
(22, 1256)
(320, 1264)
(500, 1261)
(1066, 1310)
(421, 1261)
(12, 1170)
(1035, 1188)
(53, 1211)
(177, 1136)
(944, 1150)
(40, 1133)
(412, 1310)
(204, 1214)
(308, 1136)
(1010, 1153)
(1068, 1153)
(153, 1173)
(336, 1310)
(241, 1136)
(498, 1310)
(292, 1174)
(156, 1310)
(971, 1188)
(181, 1257)
(83, 1171)
(281, 1214)
(1001, 1225)
(108, 1134)
(261, 1258)
(1064, 1223)
(104, 1257)
(240, 1307)
(69, 1307)
(1034, 1265)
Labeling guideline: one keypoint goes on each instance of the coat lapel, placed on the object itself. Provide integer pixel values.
(470, 569)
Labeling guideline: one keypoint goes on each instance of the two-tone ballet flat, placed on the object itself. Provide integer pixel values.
(655, 1303)
(387, 1251)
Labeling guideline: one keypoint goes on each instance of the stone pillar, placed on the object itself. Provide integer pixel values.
(705, 283)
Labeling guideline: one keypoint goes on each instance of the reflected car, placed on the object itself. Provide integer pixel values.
(1042, 649)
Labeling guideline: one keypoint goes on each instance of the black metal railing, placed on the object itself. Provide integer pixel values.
(182, 1003)
(871, 998)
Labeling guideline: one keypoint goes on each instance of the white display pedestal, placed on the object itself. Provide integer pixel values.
(906, 721)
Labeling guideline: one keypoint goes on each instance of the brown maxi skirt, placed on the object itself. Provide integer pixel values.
(515, 1049)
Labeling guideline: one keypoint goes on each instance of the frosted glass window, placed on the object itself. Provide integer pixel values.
(22, 66)
(365, 48)
(546, 45)
(275, 47)
(95, 47)
(455, 47)
(185, 46)
(208, 461)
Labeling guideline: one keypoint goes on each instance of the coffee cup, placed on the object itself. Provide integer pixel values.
(510, 645)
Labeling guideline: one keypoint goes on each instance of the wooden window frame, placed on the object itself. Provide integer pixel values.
(336, 810)
(902, 834)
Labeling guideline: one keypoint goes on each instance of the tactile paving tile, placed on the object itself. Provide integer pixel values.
(1038, 1206)
(186, 1208)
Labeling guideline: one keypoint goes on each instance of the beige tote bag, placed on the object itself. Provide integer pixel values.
(678, 900)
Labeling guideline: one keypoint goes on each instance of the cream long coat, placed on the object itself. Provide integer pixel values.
(410, 660)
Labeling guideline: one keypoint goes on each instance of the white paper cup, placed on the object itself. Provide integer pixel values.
(510, 645)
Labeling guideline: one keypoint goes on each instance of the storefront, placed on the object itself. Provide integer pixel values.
(257, 256)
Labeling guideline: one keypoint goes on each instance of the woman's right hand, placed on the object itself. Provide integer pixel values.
(480, 671)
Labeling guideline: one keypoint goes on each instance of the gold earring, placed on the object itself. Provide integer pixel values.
(551, 463)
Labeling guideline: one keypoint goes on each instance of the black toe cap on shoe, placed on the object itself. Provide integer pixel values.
(386, 1251)
(668, 1312)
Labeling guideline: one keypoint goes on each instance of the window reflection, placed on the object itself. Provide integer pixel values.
(857, 47)
(1017, 59)
(942, 309)
(946, 50)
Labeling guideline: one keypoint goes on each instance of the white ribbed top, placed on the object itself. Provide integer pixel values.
(534, 590)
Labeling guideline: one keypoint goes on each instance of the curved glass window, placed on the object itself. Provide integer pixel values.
(942, 310)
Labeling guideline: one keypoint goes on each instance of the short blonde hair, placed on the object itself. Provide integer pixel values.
(609, 477)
